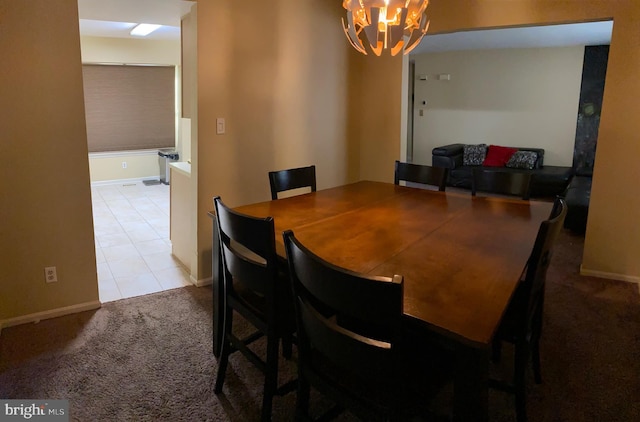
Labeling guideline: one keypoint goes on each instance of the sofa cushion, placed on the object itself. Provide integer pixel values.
(474, 155)
(546, 182)
(523, 160)
(498, 156)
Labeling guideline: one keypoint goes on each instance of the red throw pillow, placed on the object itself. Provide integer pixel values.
(498, 156)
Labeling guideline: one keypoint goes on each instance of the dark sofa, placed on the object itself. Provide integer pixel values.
(546, 181)
(577, 195)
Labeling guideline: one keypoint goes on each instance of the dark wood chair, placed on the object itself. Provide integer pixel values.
(284, 180)
(425, 175)
(501, 182)
(522, 322)
(254, 289)
(351, 346)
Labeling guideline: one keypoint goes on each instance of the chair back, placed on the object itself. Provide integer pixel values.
(501, 182)
(248, 252)
(295, 178)
(346, 320)
(252, 289)
(536, 272)
(426, 175)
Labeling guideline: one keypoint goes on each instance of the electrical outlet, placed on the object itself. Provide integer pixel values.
(50, 274)
(124, 164)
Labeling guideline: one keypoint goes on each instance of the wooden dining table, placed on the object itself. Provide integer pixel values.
(461, 258)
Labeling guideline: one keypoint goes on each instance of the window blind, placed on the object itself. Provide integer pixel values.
(129, 107)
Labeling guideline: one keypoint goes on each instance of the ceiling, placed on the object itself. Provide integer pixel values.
(589, 33)
(115, 18)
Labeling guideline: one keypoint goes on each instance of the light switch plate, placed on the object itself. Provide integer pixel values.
(220, 125)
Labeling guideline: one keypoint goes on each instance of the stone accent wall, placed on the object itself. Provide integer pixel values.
(591, 91)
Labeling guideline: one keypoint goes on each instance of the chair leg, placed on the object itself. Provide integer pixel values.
(496, 350)
(521, 409)
(222, 366)
(520, 385)
(271, 376)
(287, 346)
(225, 351)
(302, 400)
(535, 343)
(535, 358)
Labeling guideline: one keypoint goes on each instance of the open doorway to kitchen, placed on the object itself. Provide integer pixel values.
(131, 204)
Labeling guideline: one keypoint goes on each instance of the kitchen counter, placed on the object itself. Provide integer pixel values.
(182, 167)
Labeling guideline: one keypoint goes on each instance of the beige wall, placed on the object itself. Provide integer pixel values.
(45, 214)
(278, 74)
(108, 167)
(189, 61)
(189, 130)
(104, 168)
(511, 97)
(376, 119)
(130, 51)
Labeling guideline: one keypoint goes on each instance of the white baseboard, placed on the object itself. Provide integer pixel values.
(610, 276)
(124, 181)
(202, 282)
(53, 313)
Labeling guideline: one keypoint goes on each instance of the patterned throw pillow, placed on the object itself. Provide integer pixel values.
(523, 160)
(473, 155)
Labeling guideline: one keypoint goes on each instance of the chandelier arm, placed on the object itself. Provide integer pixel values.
(416, 37)
(352, 35)
(372, 31)
(395, 33)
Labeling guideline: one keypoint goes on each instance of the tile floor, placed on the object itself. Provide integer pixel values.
(133, 250)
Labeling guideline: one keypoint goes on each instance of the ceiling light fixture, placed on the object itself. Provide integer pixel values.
(144, 29)
(395, 25)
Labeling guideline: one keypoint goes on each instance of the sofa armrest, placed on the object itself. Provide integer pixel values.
(448, 156)
(448, 150)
